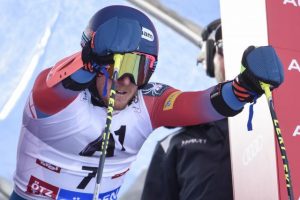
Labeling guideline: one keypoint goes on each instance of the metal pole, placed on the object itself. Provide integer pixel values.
(186, 28)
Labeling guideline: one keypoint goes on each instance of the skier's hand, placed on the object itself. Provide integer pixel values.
(91, 61)
(259, 64)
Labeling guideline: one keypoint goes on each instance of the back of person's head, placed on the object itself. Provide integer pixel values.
(120, 29)
(212, 44)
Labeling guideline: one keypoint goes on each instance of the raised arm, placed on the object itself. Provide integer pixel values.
(176, 108)
(49, 99)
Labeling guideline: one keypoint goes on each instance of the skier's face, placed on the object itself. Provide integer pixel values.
(125, 91)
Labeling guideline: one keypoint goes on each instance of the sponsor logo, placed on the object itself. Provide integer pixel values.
(154, 89)
(147, 34)
(294, 65)
(48, 166)
(295, 3)
(252, 150)
(193, 141)
(169, 103)
(67, 195)
(39, 187)
(297, 131)
(119, 175)
(112, 195)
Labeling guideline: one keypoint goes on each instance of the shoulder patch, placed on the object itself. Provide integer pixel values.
(169, 103)
(154, 89)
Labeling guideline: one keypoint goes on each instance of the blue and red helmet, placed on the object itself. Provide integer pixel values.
(121, 29)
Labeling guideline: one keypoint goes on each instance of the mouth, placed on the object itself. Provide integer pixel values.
(121, 92)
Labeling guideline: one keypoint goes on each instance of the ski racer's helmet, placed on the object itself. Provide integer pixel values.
(122, 29)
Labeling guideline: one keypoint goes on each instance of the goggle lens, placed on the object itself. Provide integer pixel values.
(137, 66)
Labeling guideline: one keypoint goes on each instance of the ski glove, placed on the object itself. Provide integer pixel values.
(93, 62)
(259, 64)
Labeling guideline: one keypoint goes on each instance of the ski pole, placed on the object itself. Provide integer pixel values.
(118, 59)
(288, 181)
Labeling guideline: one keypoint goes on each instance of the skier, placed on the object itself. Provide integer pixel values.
(65, 114)
(194, 162)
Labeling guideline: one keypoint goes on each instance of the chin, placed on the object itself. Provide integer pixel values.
(120, 104)
(119, 107)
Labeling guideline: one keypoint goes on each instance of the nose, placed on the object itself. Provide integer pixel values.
(124, 80)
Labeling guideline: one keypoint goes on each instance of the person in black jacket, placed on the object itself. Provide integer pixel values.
(194, 162)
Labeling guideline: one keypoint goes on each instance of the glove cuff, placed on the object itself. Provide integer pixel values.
(219, 103)
(246, 87)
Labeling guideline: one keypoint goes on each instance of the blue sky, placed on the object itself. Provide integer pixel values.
(35, 34)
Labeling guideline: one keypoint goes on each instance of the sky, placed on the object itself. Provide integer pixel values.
(34, 35)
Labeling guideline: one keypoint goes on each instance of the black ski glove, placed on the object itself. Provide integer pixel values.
(259, 64)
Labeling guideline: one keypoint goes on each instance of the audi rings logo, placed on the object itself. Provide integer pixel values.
(252, 150)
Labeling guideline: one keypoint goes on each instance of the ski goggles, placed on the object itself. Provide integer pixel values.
(137, 66)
